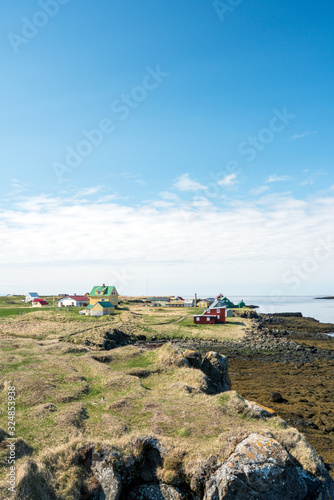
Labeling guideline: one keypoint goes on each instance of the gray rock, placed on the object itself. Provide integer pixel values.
(260, 468)
(109, 480)
(215, 367)
(154, 492)
(194, 358)
(276, 397)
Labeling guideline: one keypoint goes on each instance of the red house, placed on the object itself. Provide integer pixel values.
(211, 316)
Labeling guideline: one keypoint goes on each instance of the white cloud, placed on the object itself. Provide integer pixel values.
(184, 183)
(88, 191)
(310, 180)
(300, 136)
(276, 178)
(259, 190)
(228, 180)
(52, 245)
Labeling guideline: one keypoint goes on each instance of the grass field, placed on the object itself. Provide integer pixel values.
(19, 319)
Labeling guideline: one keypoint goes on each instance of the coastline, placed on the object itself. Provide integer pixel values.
(297, 357)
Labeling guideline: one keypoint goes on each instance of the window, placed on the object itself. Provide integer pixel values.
(208, 319)
(218, 310)
(113, 300)
(197, 319)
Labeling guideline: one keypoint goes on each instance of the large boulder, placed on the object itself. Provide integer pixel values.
(260, 468)
(215, 367)
(109, 480)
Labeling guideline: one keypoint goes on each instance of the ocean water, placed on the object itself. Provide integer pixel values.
(322, 309)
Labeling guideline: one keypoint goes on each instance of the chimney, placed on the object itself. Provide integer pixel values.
(195, 299)
(103, 284)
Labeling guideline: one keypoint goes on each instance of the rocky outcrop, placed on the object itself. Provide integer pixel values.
(109, 480)
(194, 358)
(260, 468)
(215, 367)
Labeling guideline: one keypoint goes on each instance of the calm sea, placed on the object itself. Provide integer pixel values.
(322, 310)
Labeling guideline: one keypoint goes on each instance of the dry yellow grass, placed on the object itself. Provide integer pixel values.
(70, 395)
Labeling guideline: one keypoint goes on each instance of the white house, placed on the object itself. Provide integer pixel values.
(31, 296)
(189, 303)
(73, 301)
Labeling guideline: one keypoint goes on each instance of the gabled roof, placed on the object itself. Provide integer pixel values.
(105, 305)
(79, 298)
(217, 304)
(43, 302)
(106, 290)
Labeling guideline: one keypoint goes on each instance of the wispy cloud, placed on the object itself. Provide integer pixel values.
(185, 183)
(134, 177)
(88, 191)
(18, 187)
(281, 178)
(259, 190)
(310, 180)
(228, 180)
(300, 136)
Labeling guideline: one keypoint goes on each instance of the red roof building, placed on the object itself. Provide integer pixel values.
(39, 303)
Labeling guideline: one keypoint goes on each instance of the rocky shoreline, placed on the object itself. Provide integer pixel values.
(290, 355)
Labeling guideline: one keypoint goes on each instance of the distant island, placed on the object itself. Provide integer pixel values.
(327, 298)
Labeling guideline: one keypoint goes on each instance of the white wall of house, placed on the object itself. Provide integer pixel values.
(68, 302)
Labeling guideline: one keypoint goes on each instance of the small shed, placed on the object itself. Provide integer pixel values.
(229, 313)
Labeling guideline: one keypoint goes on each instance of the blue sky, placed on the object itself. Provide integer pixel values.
(187, 146)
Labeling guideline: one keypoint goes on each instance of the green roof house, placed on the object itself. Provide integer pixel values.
(103, 294)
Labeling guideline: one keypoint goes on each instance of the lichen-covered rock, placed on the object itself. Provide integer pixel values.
(154, 492)
(260, 468)
(109, 480)
(215, 367)
(260, 411)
